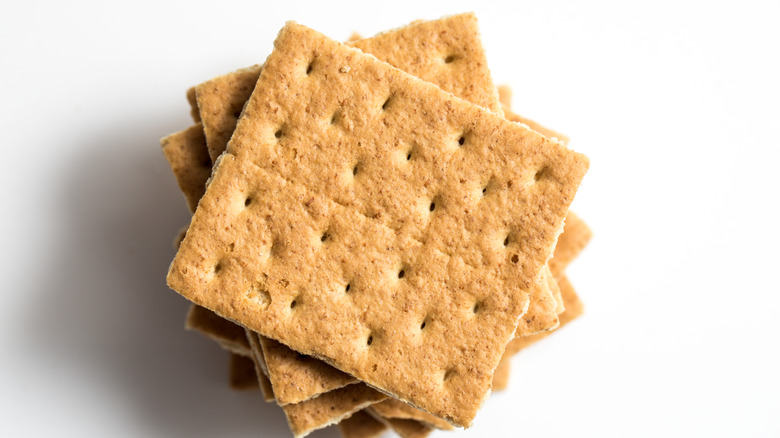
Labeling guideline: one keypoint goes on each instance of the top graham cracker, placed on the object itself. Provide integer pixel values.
(419, 47)
(400, 227)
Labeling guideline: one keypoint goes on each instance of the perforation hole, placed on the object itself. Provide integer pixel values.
(325, 236)
(310, 67)
(541, 173)
(424, 324)
(515, 258)
(409, 156)
(506, 241)
(370, 340)
(477, 307)
(449, 59)
(335, 118)
(294, 303)
(449, 374)
(387, 103)
(355, 170)
(247, 202)
(218, 267)
(461, 140)
(432, 206)
(401, 273)
(348, 287)
(279, 133)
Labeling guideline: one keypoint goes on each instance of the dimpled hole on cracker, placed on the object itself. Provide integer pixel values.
(539, 174)
(259, 295)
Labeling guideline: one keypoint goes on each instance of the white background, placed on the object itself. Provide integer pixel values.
(676, 103)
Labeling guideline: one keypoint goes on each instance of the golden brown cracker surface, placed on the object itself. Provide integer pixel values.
(574, 309)
(322, 167)
(227, 334)
(296, 377)
(542, 311)
(361, 425)
(220, 101)
(260, 368)
(447, 52)
(187, 155)
(575, 237)
(394, 408)
(403, 428)
(329, 408)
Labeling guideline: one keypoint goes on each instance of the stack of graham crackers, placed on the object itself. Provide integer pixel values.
(375, 233)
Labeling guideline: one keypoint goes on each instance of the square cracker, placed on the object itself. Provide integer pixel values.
(447, 52)
(429, 250)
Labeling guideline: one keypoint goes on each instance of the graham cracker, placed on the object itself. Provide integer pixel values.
(242, 373)
(404, 428)
(193, 101)
(228, 335)
(574, 309)
(393, 408)
(296, 377)
(361, 425)
(417, 49)
(186, 153)
(575, 237)
(281, 266)
(329, 408)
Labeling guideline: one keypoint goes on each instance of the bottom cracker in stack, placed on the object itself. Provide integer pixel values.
(313, 394)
